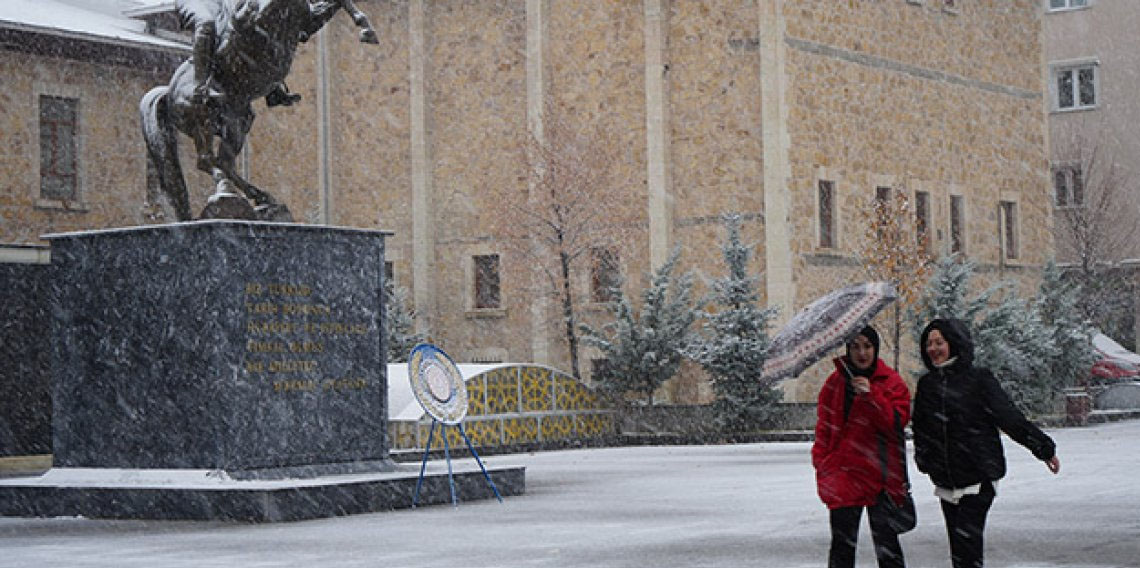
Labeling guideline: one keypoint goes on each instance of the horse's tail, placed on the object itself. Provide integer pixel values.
(162, 149)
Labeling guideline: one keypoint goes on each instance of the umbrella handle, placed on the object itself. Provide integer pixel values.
(846, 370)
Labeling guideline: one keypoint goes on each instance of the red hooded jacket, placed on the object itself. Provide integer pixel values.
(847, 453)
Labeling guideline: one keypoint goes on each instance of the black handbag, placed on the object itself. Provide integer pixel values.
(901, 518)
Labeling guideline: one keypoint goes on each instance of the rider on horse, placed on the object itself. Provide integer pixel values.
(242, 51)
(203, 16)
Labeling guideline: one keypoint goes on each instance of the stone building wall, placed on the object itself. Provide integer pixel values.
(716, 159)
(112, 159)
(1102, 138)
(424, 125)
(917, 98)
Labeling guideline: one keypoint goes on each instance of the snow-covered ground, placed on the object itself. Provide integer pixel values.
(747, 505)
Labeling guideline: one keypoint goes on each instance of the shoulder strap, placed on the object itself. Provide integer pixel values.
(902, 452)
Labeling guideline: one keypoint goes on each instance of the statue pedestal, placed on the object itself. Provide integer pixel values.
(222, 345)
(192, 357)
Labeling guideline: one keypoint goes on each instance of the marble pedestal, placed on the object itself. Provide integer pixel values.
(189, 358)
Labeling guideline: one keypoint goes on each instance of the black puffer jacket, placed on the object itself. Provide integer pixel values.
(958, 410)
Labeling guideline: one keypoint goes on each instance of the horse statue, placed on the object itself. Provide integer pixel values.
(242, 51)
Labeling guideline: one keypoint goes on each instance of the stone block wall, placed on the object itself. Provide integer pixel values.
(112, 159)
(424, 133)
(917, 98)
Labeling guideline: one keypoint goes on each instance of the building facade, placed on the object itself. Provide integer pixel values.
(1093, 76)
(792, 114)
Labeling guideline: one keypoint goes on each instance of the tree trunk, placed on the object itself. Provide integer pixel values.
(568, 315)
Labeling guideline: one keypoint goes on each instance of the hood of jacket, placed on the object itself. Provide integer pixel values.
(957, 335)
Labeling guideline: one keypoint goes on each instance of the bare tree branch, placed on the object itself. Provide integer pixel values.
(572, 207)
(1098, 221)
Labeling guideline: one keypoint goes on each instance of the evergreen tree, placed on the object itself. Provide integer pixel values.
(1059, 306)
(400, 331)
(734, 344)
(1011, 340)
(1034, 348)
(945, 294)
(644, 350)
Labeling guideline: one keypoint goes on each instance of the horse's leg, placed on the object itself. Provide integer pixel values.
(203, 137)
(321, 12)
(233, 132)
(225, 203)
(233, 136)
(161, 137)
(367, 33)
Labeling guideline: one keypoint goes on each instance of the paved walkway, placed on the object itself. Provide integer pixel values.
(662, 507)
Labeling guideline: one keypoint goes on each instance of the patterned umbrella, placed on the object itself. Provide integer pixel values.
(822, 326)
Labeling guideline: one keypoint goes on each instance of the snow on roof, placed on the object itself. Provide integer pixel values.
(92, 20)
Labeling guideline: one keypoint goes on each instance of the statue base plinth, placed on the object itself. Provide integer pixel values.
(228, 205)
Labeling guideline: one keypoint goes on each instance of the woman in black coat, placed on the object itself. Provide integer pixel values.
(958, 410)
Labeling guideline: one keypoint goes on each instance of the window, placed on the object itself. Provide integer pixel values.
(1067, 4)
(922, 220)
(389, 272)
(1068, 186)
(59, 148)
(826, 214)
(487, 282)
(1075, 86)
(1009, 229)
(599, 369)
(389, 289)
(957, 224)
(882, 196)
(883, 209)
(605, 275)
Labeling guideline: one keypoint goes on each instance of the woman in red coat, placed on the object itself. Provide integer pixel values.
(859, 407)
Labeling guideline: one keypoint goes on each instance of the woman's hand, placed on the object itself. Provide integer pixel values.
(1054, 464)
(862, 385)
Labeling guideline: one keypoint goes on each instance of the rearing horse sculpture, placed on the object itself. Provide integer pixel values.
(243, 50)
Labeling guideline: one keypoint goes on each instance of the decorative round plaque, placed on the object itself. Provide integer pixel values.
(437, 384)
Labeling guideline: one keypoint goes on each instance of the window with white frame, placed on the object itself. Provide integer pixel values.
(1055, 5)
(486, 293)
(922, 220)
(882, 196)
(957, 224)
(826, 214)
(1068, 186)
(59, 148)
(599, 369)
(605, 275)
(883, 208)
(1075, 86)
(1009, 240)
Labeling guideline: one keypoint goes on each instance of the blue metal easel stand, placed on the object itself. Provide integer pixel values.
(480, 462)
(447, 456)
(423, 465)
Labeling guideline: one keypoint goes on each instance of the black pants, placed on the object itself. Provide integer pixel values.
(845, 533)
(965, 525)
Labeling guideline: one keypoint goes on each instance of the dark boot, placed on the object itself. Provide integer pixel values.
(280, 96)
